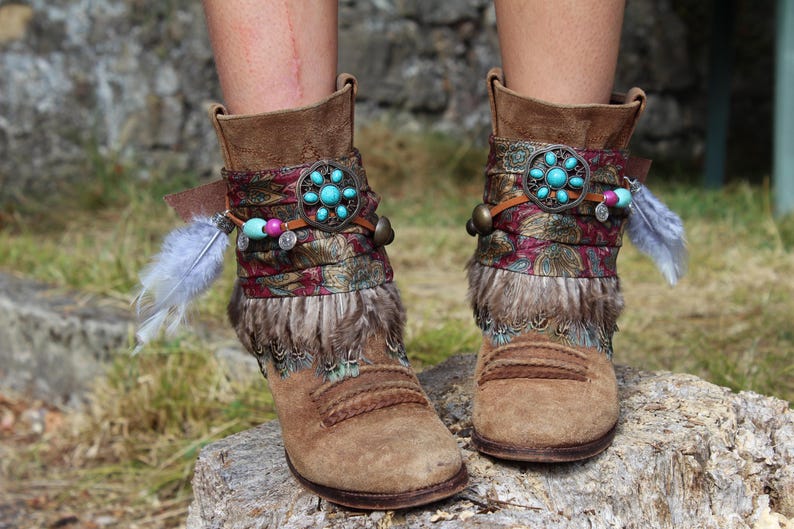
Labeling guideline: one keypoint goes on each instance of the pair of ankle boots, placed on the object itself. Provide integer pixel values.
(315, 303)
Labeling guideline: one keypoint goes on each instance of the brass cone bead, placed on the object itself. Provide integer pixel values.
(482, 220)
(384, 234)
(470, 228)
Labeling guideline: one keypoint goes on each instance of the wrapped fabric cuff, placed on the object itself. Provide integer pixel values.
(342, 258)
(544, 236)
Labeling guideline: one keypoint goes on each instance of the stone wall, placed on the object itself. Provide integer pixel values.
(128, 80)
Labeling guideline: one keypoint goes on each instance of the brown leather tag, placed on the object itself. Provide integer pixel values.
(206, 200)
(638, 168)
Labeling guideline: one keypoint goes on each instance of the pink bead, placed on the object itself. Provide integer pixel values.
(273, 227)
(610, 198)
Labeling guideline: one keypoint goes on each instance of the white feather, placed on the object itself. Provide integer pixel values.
(190, 260)
(658, 232)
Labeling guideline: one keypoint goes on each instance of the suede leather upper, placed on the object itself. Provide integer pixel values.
(367, 440)
(392, 449)
(538, 398)
(545, 408)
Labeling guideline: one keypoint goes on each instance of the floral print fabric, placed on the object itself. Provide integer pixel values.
(321, 262)
(528, 240)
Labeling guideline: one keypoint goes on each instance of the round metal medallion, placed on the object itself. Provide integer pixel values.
(329, 196)
(556, 178)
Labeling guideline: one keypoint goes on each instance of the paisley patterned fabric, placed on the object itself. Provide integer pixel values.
(528, 240)
(321, 262)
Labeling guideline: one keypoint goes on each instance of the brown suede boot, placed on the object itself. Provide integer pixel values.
(543, 282)
(315, 304)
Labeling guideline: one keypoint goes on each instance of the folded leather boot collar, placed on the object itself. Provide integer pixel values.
(592, 126)
(274, 139)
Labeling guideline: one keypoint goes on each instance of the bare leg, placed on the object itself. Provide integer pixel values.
(273, 54)
(561, 52)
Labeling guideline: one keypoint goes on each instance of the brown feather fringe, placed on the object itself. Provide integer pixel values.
(327, 332)
(580, 311)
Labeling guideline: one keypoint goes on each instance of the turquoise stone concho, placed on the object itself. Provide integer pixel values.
(329, 196)
(556, 178)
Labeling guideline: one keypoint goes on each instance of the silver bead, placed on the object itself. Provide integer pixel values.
(223, 223)
(287, 240)
(634, 184)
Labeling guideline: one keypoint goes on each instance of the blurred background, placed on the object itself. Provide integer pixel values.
(102, 111)
(129, 79)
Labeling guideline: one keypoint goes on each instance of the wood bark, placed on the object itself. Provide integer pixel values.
(687, 454)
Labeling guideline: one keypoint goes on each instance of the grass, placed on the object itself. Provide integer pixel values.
(129, 455)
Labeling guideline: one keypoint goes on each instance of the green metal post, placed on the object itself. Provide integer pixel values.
(719, 91)
(783, 169)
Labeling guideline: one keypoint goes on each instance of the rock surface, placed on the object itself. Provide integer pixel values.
(687, 454)
(52, 343)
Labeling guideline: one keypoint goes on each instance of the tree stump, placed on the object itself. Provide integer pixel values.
(687, 454)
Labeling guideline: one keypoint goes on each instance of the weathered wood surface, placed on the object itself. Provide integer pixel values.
(687, 454)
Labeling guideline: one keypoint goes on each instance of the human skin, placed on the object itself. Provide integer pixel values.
(561, 51)
(280, 54)
(273, 54)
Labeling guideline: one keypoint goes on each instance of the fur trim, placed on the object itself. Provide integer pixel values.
(327, 332)
(579, 311)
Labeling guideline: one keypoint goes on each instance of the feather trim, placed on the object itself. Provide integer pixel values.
(579, 311)
(327, 332)
(657, 232)
(190, 260)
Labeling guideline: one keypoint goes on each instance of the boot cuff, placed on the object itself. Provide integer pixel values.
(288, 137)
(582, 126)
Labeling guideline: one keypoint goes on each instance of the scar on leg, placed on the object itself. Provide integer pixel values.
(297, 88)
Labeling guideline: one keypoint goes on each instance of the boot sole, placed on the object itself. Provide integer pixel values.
(385, 500)
(557, 454)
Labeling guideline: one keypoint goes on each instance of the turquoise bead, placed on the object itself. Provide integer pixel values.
(310, 197)
(322, 214)
(341, 212)
(624, 197)
(255, 229)
(316, 177)
(576, 182)
(330, 195)
(556, 177)
(543, 192)
(562, 196)
(551, 158)
(570, 163)
(536, 173)
(349, 193)
(336, 176)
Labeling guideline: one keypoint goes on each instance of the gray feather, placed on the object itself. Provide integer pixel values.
(190, 260)
(658, 232)
(333, 328)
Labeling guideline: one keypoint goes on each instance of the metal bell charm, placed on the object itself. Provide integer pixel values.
(287, 240)
(384, 234)
(242, 241)
(481, 220)
(602, 212)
